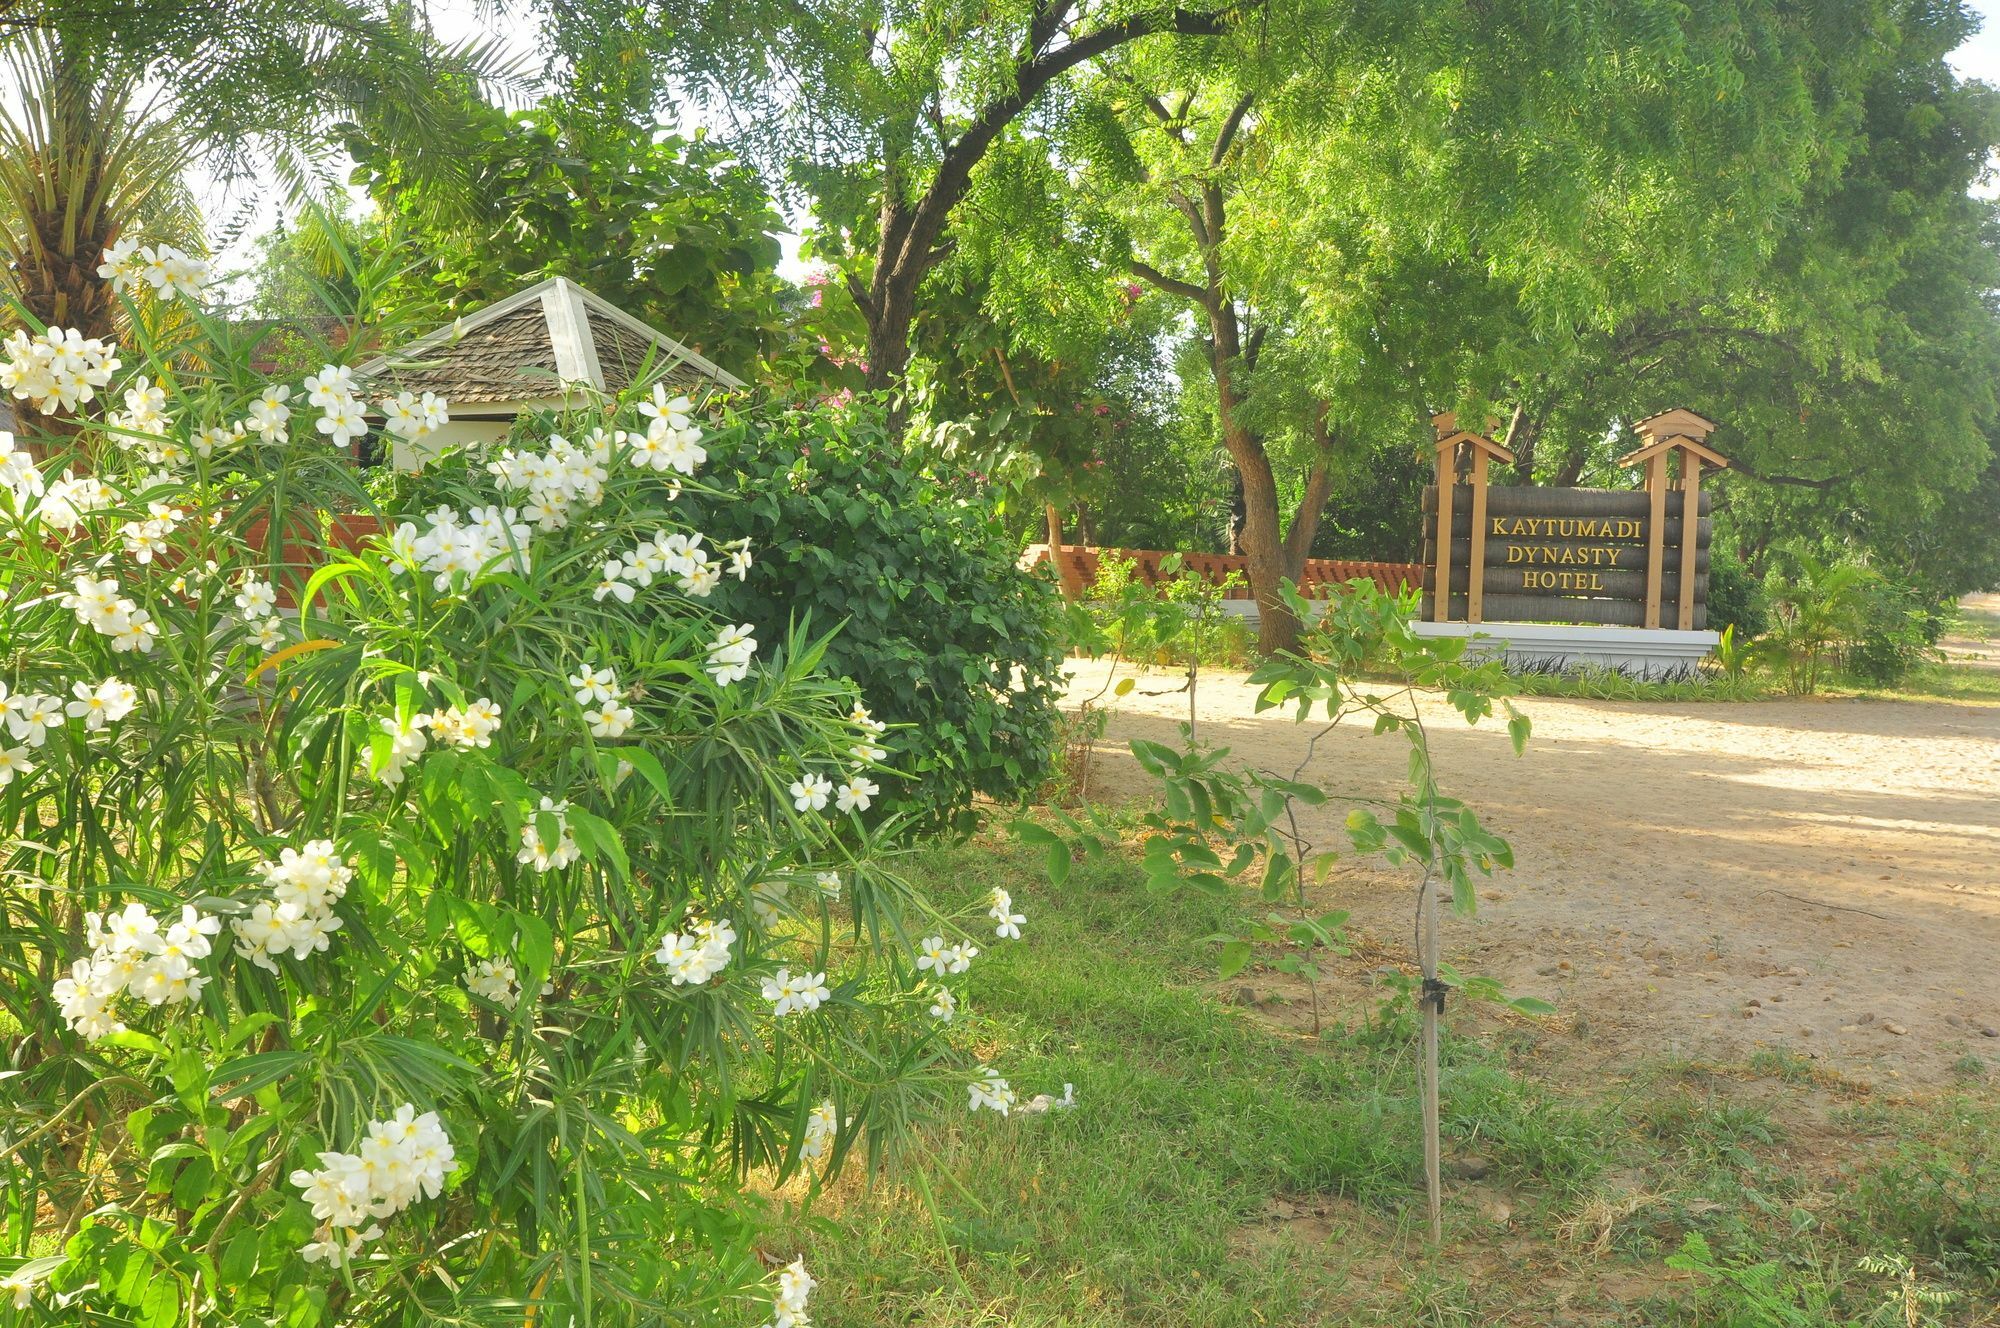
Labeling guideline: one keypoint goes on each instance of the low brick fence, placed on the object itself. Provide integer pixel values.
(1320, 573)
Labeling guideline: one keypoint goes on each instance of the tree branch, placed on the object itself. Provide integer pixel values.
(1227, 134)
(1187, 290)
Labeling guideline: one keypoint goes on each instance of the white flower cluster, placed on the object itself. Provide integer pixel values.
(496, 981)
(603, 702)
(168, 272)
(402, 1159)
(467, 726)
(1002, 912)
(821, 1126)
(793, 995)
(305, 884)
(536, 849)
(943, 1003)
(768, 902)
(142, 426)
(671, 441)
(413, 418)
(454, 546)
(106, 703)
(18, 472)
(989, 1090)
(146, 540)
(70, 499)
(132, 954)
(457, 726)
(729, 655)
(57, 369)
(98, 605)
(566, 477)
(679, 556)
(28, 717)
(788, 1306)
(941, 959)
(696, 953)
(871, 728)
(342, 416)
(811, 792)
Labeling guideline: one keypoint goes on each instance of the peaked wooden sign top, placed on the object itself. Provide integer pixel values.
(1449, 436)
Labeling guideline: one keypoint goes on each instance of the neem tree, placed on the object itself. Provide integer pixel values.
(1367, 212)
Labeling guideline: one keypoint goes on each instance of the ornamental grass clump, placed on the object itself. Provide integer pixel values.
(439, 930)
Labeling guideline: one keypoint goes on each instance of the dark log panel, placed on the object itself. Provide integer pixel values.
(1555, 609)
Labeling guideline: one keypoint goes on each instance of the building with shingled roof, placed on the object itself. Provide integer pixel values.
(538, 349)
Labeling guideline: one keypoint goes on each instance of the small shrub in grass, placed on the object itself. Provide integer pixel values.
(447, 947)
(949, 641)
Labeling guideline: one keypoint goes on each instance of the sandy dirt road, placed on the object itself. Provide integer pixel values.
(1704, 879)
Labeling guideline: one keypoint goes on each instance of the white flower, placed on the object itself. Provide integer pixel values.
(821, 1127)
(495, 980)
(730, 653)
(697, 954)
(792, 995)
(810, 792)
(991, 1091)
(933, 955)
(828, 883)
(342, 420)
(120, 266)
(14, 761)
(609, 720)
(614, 584)
(55, 370)
(943, 1004)
(1002, 912)
(788, 1304)
(739, 559)
(595, 685)
(334, 382)
(269, 634)
(541, 852)
(269, 415)
(960, 957)
(31, 716)
(856, 793)
(106, 703)
(20, 1291)
(257, 599)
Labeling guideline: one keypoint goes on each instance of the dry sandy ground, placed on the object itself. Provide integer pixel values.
(1705, 879)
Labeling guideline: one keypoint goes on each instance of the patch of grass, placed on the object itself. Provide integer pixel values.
(1220, 1171)
(1609, 685)
(1937, 682)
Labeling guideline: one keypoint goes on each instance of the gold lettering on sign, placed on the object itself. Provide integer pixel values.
(1579, 582)
(1563, 555)
(1566, 527)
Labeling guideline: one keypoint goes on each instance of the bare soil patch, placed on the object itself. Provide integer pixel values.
(1702, 879)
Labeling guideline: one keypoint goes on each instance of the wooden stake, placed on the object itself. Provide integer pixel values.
(1690, 533)
(1441, 599)
(1656, 535)
(1475, 586)
(1433, 1169)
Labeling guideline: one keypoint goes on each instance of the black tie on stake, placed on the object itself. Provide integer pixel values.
(1433, 993)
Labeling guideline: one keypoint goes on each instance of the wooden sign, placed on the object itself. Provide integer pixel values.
(1604, 556)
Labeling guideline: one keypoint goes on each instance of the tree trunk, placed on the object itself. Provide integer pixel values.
(1263, 551)
(1524, 430)
(1304, 529)
(1071, 578)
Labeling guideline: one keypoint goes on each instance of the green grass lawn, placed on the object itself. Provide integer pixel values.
(1222, 1170)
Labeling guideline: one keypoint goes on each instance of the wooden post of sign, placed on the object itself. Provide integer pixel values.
(1446, 482)
(1475, 585)
(1677, 430)
(1690, 533)
(1484, 450)
(1656, 534)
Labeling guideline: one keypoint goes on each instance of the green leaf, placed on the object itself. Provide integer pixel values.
(1235, 955)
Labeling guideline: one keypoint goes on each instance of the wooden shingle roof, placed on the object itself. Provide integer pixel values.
(534, 344)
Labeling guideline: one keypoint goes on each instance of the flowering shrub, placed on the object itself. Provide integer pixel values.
(435, 930)
(947, 639)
